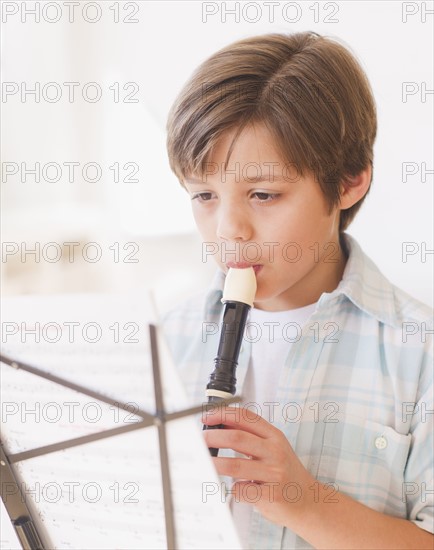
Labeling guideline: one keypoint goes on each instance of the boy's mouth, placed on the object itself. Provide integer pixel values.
(244, 265)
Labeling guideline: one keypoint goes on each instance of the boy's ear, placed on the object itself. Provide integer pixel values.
(355, 188)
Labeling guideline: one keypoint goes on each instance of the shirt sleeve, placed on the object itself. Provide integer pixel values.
(418, 486)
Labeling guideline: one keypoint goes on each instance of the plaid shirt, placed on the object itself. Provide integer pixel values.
(354, 398)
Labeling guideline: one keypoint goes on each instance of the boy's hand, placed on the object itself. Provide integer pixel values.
(270, 476)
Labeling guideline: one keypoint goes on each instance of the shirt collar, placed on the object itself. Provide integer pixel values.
(362, 283)
(214, 295)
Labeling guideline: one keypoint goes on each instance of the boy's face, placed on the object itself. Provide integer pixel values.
(260, 211)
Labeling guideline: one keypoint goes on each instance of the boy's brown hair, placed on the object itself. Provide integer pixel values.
(308, 90)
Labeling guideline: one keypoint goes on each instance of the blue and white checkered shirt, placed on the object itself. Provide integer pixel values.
(362, 375)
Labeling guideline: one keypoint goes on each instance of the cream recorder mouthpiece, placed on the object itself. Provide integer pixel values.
(240, 286)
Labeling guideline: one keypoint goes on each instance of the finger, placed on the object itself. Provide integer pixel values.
(251, 492)
(240, 418)
(238, 440)
(242, 468)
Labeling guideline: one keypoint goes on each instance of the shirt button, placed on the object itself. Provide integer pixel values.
(381, 442)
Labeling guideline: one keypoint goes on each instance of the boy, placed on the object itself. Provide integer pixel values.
(272, 138)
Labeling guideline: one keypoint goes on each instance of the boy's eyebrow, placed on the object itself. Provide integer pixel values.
(270, 177)
(256, 179)
(192, 180)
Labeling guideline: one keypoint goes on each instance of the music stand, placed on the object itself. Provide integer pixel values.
(19, 512)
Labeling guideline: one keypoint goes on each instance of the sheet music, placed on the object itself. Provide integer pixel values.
(108, 493)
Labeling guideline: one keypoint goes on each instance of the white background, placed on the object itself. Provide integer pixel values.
(392, 40)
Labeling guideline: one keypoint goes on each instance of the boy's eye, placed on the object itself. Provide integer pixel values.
(202, 197)
(265, 197)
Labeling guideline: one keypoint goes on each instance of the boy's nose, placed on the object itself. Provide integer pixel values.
(234, 224)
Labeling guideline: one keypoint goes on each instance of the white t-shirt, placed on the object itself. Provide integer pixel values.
(271, 334)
